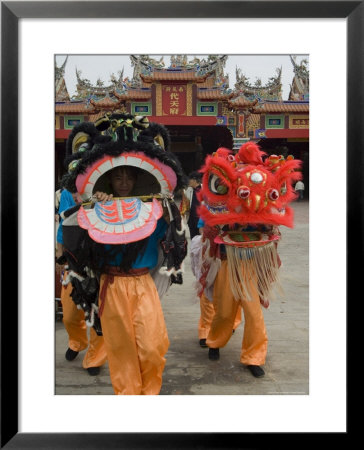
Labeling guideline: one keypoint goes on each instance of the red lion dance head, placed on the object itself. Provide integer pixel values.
(243, 189)
(244, 199)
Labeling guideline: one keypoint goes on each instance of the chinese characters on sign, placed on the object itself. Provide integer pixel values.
(299, 121)
(174, 100)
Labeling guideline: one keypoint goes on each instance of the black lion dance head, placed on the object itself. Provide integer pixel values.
(96, 155)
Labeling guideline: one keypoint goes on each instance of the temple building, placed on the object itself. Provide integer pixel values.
(193, 99)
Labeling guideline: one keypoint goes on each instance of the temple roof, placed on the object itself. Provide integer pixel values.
(255, 106)
(105, 103)
(208, 76)
(283, 107)
(213, 94)
(189, 75)
(242, 103)
(134, 94)
(73, 108)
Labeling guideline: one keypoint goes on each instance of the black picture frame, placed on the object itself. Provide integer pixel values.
(11, 12)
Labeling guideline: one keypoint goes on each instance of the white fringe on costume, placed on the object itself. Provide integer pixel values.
(198, 262)
(91, 320)
(161, 281)
(161, 276)
(257, 263)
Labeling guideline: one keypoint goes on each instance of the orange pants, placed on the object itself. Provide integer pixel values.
(135, 334)
(206, 316)
(74, 322)
(255, 340)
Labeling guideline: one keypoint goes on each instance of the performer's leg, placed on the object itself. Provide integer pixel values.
(74, 321)
(206, 316)
(150, 333)
(255, 340)
(237, 321)
(225, 310)
(96, 352)
(119, 337)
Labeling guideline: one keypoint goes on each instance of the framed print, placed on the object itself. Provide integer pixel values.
(24, 222)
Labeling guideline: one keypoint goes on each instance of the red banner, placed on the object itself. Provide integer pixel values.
(241, 125)
(174, 100)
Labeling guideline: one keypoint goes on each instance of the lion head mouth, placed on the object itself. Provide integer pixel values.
(152, 175)
(124, 142)
(124, 220)
(246, 239)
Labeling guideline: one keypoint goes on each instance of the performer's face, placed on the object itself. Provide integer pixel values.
(122, 181)
(193, 183)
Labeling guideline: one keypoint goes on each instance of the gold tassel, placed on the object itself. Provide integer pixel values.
(253, 269)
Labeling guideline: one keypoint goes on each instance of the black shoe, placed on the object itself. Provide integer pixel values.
(93, 371)
(214, 354)
(256, 371)
(203, 343)
(70, 354)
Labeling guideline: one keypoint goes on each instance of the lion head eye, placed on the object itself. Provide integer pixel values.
(217, 186)
(256, 178)
(73, 164)
(273, 194)
(243, 191)
(83, 147)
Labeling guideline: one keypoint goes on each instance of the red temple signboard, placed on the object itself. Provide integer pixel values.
(241, 125)
(174, 99)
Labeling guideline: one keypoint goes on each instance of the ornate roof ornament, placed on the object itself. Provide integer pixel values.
(61, 92)
(301, 80)
(272, 90)
(59, 71)
(301, 70)
(85, 89)
(143, 65)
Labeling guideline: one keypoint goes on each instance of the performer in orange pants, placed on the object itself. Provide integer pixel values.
(130, 221)
(243, 200)
(134, 331)
(255, 340)
(207, 314)
(73, 318)
(74, 322)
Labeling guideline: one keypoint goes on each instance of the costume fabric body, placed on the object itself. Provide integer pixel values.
(133, 323)
(78, 339)
(300, 187)
(123, 241)
(243, 201)
(255, 340)
(135, 334)
(73, 318)
(207, 309)
(193, 217)
(207, 312)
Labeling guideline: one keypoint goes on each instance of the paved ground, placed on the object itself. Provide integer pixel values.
(188, 370)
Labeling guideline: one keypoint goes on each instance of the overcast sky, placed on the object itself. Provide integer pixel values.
(252, 66)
